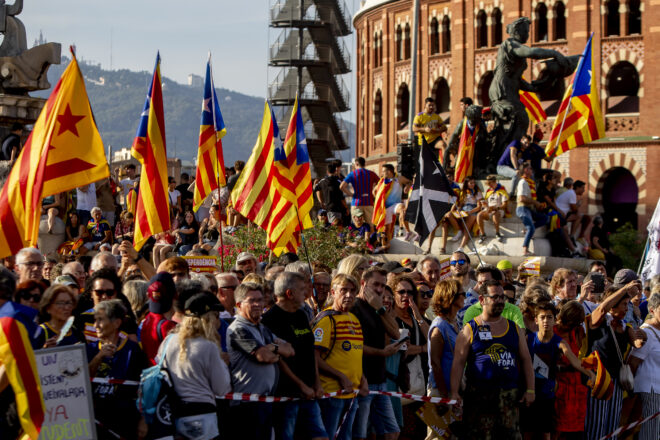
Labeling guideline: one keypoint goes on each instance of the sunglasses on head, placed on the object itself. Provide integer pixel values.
(459, 262)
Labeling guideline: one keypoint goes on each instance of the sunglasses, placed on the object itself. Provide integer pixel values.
(459, 262)
(501, 297)
(409, 292)
(34, 297)
(426, 293)
(104, 292)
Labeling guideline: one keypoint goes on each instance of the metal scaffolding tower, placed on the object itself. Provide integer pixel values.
(310, 57)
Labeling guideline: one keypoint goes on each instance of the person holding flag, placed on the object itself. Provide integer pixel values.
(152, 203)
(210, 159)
(579, 120)
(387, 198)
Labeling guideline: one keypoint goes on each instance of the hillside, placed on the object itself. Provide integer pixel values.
(117, 98)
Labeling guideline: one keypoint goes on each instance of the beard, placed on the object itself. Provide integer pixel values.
(496, 310)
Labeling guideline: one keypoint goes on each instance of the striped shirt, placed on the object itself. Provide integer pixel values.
(363, 181)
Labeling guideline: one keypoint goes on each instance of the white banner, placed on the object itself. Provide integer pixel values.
(651, 265)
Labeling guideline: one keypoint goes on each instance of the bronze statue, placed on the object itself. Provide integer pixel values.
(511, 120)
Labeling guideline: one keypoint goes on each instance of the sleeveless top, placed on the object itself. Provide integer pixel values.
(449, 335)
(493, 359)
(545, 357)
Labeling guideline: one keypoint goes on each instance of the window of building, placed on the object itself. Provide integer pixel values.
(612, 20)
(634, 17)
(380, 48)
(378, 113)
(560, 21)
(446, 34)
(497, 26)
(442, 96)
(541, 33)
(482, 29)
(375, 46)
(402, 106)
(622, 88)
(399, 43)
(483, 87)
(435, 36)
(406, 42)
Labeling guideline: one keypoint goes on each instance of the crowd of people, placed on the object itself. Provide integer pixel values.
(511, 350)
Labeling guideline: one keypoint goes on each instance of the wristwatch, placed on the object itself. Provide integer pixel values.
(277, 348)
(381, 311)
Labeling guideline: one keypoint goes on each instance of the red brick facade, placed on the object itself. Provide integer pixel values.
(457, 49)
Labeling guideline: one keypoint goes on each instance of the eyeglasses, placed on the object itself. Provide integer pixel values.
(34, 297)
(511, 299)
(104, 292)
(409, 292)
(426, 293)
(63, 303)
(459, 262)
(32, 263)
(227, 287)
(500, 297)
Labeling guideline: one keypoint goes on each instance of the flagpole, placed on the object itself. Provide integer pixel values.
(561, 128)
(217, 165)
(309, 262)
(641, 262)
(467, 231)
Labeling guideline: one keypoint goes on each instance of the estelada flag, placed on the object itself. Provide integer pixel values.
(383, 190)
(17, 357)
(152, 211)
(210, 159)
(64, 151)
(579, 120)
(466, 146)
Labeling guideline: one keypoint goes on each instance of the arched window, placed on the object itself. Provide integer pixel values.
(402, 106)
(612, 23)
(482, 29)
(435, 36)
(378, 113)
(622, 88)
(541, 33)
(380, 48)
(406, 42)
(375, 49)
(552, 94)
(482, 88)
(560, 21)
(442, 96)
(399, 43)
(446, 34)
(634, 17)
(497, 26)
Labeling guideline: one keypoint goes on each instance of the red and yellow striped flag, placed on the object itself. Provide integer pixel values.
(152, 212)
(210, 159)
(533, 106)
(603, 388)
(383, 190)
(64, 151)
(465, 157)
(17, 357)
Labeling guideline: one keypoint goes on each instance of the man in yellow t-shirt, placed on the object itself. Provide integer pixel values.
(429, 125)
(339, 343)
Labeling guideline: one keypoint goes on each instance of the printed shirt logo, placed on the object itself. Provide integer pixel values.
(346, 345)
(318, 335)
(501, 356)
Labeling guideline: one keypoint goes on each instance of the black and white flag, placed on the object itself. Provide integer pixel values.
(432, 196)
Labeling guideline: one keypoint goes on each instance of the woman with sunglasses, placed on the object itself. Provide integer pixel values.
(55, 308)
(423, 300)
(28, 293)
(448, 299)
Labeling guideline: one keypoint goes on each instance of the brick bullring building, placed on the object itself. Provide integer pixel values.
(457, 48)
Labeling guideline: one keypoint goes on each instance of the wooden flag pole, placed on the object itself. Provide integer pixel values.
(561, 129)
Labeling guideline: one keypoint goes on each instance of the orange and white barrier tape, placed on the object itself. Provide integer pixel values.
(630, 426)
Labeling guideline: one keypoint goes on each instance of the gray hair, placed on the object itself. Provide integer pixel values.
(97, 262)
(95, 209)
(242, 291)
(654, 301)
(286, 281)
(113, 309)
(654, 281)
(420, 264)
(136, 292)
(300, 267)
(20, 256)
(206, 284)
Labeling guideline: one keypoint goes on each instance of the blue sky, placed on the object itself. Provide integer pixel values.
(235, 31)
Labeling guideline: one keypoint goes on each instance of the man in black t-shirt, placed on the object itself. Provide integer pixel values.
(376, 325)
(186, 196)
(299, 374)
(331, 197)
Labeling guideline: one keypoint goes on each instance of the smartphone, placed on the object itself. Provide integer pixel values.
(402, 340)
(599, 282)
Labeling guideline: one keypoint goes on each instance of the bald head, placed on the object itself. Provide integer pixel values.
(76, 271)
(103, 260)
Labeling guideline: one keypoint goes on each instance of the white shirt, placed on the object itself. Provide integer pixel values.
(86, 200)
(174, 196)
(647, 378)
(127, 184)
(565, 200)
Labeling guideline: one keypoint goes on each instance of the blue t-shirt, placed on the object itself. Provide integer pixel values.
(545, 356)
(395, 194)
(534, 154)
(505, 159)
(363, 181)
(97, 230)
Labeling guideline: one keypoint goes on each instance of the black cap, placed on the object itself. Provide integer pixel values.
(394, 267)
(202, 303)
(161, 293)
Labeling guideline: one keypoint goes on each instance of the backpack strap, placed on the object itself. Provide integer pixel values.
(333, 328)
(159, 329)
(162, 358)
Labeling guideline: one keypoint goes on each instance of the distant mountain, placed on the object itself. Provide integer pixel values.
(117, 98)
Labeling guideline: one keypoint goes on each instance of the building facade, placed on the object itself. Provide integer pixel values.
(457, 49)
